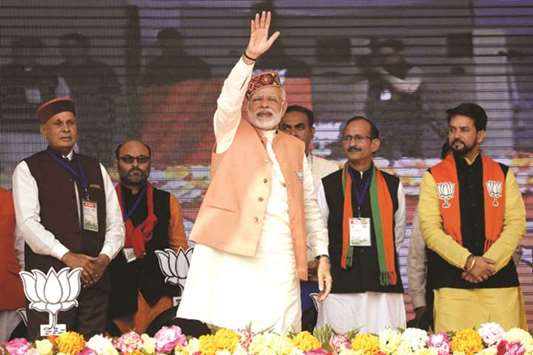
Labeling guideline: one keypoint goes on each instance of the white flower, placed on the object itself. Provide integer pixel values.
(175, 265)
(100, 344)
(44, 347)
(427, 351)
(404, 349)
(416, 338)
(518, 335)
(489, 351)
(148, 344)
(239, 350)
(389, 340)
(193, 347)
(491, 333)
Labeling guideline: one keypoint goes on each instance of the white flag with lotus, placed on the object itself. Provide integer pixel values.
(52, 292)
(175, 265)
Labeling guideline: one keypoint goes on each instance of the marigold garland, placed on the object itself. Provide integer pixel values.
(226, 339)
(208, 344)
(368, 343)
(467, 341)
(70, 343)
(305, 341)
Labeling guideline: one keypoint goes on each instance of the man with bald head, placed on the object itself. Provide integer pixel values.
(259, 212)
(153, 221)
(68, 214)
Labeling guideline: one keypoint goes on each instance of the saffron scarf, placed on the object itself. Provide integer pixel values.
(445, 175)
(136, 237)
(382, 220)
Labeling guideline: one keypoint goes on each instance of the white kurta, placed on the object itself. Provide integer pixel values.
(262, 291)
(235, 291)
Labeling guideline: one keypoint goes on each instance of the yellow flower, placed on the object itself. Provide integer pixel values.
(44, 347)
(226, 339)
(367, 343)
(467, 341)
(208, 345)
(70, 343)
(306, 341)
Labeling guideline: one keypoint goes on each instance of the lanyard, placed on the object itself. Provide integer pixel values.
(360, 194)
(80, 177)
(127, 214)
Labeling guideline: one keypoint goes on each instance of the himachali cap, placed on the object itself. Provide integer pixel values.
(53, 107)
(263, 79)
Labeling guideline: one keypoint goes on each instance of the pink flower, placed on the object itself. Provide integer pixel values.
(18, 346)
(167, 338)
(439, 342)
(128, 342)
(339, 342)
(87, 351)
(246, 338)
(513, 348)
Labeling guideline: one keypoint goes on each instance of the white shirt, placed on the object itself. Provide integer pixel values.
(41, 240)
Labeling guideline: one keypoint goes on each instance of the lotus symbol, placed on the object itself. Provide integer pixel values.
(445, 191)
(494, 189)
(53, 292)
(175, 265)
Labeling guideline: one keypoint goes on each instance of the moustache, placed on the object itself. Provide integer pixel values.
(132, 170)
(457, 141)
(354, 149)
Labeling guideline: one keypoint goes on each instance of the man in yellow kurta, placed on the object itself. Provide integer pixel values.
(472, 218)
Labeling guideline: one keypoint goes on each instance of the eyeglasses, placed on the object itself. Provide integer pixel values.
(128, 159)
(357, 138)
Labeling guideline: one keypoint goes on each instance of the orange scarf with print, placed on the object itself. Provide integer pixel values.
(445, 175)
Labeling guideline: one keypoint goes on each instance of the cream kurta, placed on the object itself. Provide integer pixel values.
(235, 291)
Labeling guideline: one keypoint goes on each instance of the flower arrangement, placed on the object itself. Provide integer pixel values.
(488, 339)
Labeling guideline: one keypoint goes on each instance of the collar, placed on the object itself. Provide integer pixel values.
(69, 156)
(360, 175)
(470, 162)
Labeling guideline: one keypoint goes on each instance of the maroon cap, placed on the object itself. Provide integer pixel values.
(50, 108)
(263, 79)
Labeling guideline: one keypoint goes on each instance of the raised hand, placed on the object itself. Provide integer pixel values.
(259, 41)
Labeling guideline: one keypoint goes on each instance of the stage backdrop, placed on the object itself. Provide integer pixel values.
(153, 69)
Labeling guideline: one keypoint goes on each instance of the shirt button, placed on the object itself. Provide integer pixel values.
(261, 199)
(284, 184)
(265, 180)
(256, 220)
